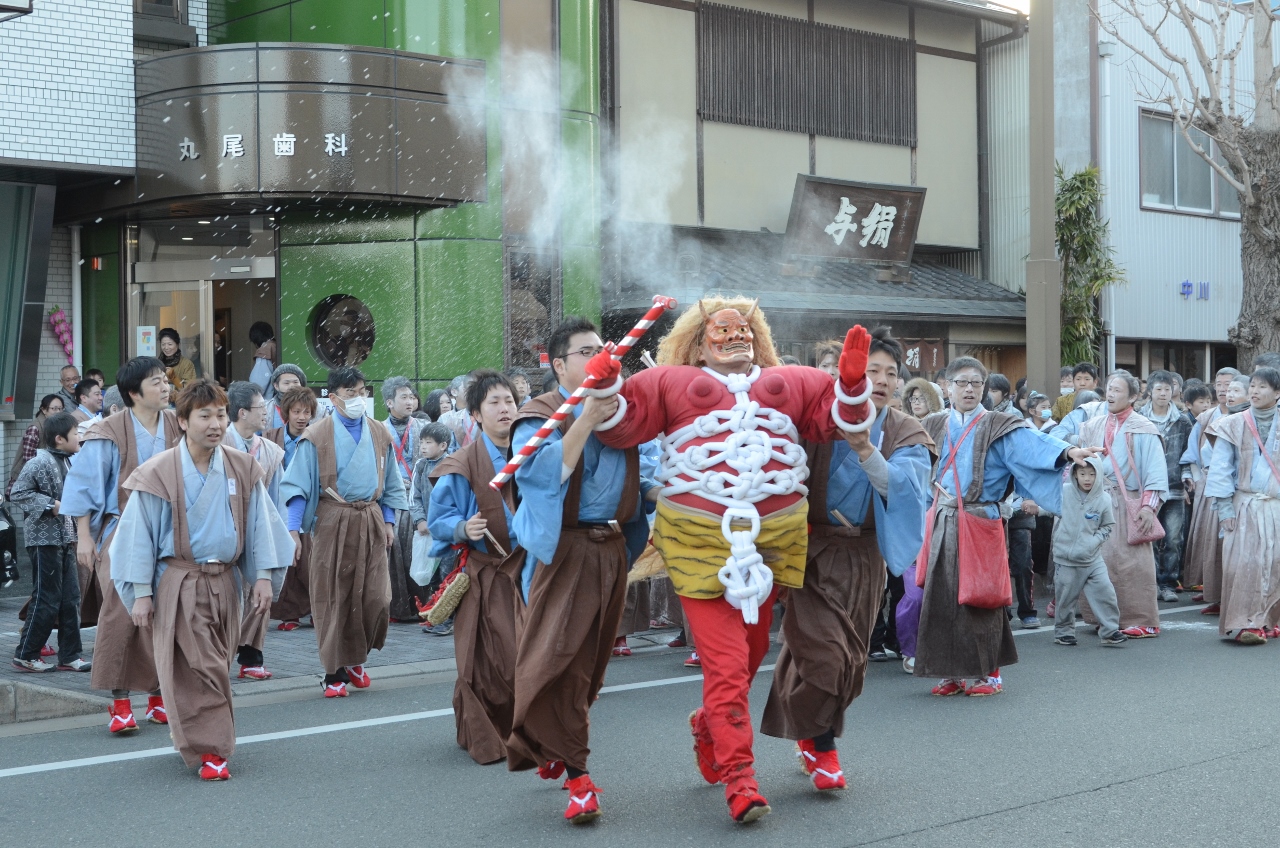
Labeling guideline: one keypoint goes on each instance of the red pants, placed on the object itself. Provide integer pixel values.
(731, 653)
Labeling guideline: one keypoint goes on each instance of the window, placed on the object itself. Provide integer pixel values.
(532, 309)
(342, 331)
(1172, 174)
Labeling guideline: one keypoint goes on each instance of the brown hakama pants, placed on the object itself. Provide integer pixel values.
(123, 654)
(484, 639)
(1133, 572)
(196, 630)
(350, 585)
(403, 590)
(1203, 556)
(565, 637)
(1251, 566)
(957, 641)
(827, 633)
(295, 596)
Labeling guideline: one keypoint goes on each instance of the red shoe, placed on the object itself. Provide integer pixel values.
(359, 677)
(992, 685)
(337, 689)
(620, 647)
(1141, 632)
(1251, 636)
(552, 770)
(949, 687)
(806, 755)
(48, 651)
(584, 800)
(1197, 598)
(746, 807)
(121, 712)
(694, 661)
(677, 643)
(1271, 632)
(827, 774)
(1212, 609)
(213, 767)
(1049, 610)
(156, 713)
(288, 625)
(703, 748)
(254, 672)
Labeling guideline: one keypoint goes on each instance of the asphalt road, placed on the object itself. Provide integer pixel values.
(1169, 742)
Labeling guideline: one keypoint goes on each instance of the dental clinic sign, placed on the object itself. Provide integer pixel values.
(858, 222)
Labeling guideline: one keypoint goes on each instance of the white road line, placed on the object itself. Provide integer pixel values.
(312, 731)
(1048, 628)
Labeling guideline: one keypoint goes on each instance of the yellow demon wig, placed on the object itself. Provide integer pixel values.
(683, 345)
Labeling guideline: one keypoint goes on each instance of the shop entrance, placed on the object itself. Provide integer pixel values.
(210, 280)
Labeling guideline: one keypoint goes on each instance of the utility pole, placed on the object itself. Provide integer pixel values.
(1044, 274)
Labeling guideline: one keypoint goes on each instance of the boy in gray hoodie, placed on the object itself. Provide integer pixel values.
(1086, 523)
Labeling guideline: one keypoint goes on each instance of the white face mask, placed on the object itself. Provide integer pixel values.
(1066, 390)
(355, 408)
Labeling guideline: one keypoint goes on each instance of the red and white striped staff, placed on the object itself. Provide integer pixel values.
(660, 305)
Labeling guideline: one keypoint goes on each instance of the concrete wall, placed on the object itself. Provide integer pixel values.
(947, 150)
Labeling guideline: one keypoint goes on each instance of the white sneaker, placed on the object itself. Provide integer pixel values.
(909, 665)
(1168, 596)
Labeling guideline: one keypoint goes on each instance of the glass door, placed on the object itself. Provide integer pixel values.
(186, 307)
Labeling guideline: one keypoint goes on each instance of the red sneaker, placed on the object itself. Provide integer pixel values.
(827, 774)
(1141, 632)
(949, 687)
(1212, 609)
(156, 713)
(620, 647)
(1197, 598)
(992, 685)
(806, 755)
(694, 661)
(1271, 632)
(746, 807)
(1251, 636)
(288, 625)
(213, 767)
(48, 651)
(703, 748)
(677, 642)
(335, 690)
(254, 672)
(552, 770)
(584, 800)
(121, 712)
(359, 677)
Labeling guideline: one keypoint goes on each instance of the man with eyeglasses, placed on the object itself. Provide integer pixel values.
(248, 413)
(981, 454)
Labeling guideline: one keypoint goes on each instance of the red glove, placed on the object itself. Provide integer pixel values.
(853, 358)
(605, 369)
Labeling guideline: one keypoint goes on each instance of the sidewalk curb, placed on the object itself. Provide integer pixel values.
(21, 701)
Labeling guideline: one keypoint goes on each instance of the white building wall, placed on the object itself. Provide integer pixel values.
(66, 84)
(1008, 159)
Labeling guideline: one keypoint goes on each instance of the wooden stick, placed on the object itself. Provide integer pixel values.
(495, 544)
(842, 519)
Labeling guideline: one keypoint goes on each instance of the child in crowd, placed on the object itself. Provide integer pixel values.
(434, 439)
(51, 544)
(1086, 523)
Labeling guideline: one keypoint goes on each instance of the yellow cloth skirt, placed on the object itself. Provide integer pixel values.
(695, 550)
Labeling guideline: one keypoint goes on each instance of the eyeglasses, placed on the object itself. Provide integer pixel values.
(259, 406)
(584, 352)
(968, 384)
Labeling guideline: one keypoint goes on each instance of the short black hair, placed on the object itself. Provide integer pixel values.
(84, 388)
(960, 363)
(482, 381)
(1021, 384)
(131, 376)
(57, 425)
(169, 333)
(1065, 371)
(1161, 376)
(48, 399)
(1269, 375)
(882, 341)
(96, 374)
(344, 377)
(261, 333)
(436, 432)
(1191, 394)
(1085, 368)
(240, 395)
(558, 344)
(431, 406)
(788, 359)
(998, 383)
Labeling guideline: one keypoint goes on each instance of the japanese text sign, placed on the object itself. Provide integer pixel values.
(860, 222)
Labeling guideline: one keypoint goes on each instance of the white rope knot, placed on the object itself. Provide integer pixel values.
(862, 399)
(746, 579)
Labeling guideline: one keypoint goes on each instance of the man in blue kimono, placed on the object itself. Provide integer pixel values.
(866, 511)
(343, 489)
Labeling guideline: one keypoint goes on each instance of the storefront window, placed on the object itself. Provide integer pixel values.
(341, 331)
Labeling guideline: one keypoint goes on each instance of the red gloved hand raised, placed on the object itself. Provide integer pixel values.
(853, 358)
(604, 368)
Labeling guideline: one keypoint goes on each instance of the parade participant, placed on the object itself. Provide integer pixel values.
(298, 406)
(342, 488)
(1204, 543)
(1202, 525)
(88, 396)
(1244, 481)
(94, 495)
(981, 454)
(732, 521)
(866, 511)
(402, 427)
(247, 412)
(198, 512)
(284, 379)
(464, 510)
(1138, 480)
(436, 439)
(578, 500)
(1174, 427)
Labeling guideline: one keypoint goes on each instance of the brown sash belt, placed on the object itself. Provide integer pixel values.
(840, 531)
